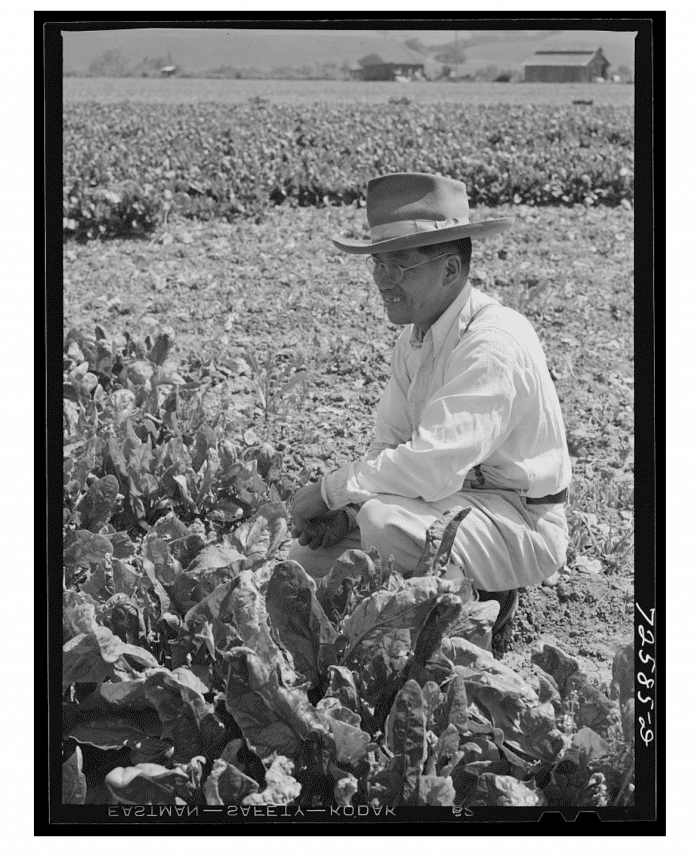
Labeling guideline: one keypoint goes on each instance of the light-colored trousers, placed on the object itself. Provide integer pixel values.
(503, 543)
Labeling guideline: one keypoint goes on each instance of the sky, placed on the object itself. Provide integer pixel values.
(197, 49)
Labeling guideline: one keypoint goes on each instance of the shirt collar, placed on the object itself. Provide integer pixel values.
(460, 309)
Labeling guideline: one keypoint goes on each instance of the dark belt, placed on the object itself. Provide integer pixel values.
(553, 499)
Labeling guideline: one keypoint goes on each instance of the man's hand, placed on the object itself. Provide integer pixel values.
(326, 531)
(314, 525)
(308, 505)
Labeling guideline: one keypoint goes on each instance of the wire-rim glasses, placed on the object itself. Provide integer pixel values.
(394, 271)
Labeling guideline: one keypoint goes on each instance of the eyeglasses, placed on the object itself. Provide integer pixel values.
(394, 271)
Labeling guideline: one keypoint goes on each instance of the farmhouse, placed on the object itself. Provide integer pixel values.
(391, 62)
(566, 64)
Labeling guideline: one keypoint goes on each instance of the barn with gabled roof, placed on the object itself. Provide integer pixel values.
(392, 61)
(561, 64)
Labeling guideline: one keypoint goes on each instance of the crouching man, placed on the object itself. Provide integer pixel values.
(470, 416)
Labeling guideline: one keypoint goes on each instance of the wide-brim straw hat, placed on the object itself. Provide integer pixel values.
(410, 210)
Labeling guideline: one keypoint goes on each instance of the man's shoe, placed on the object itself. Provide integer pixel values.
(508, 601)
(553, 580)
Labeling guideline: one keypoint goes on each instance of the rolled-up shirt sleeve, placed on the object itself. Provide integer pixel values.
(486, 391)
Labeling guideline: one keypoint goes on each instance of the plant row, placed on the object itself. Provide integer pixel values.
(128, 167)
(197, 668)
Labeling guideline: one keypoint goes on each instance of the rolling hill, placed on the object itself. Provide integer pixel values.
(197, 50)
(617, 48)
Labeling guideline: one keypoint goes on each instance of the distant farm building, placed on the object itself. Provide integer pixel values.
(566, 64)
(393, 61)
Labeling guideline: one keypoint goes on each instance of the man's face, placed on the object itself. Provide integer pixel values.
(424, 293)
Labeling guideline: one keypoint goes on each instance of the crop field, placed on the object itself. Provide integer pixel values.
(215, 359)
(178, 91)
(129, 167)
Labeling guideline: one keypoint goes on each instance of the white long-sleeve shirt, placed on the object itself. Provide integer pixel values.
(471, 403)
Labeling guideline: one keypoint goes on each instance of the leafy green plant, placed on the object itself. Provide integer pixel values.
(526, 293)
(277, 391)
(212, 674)
(137, 446)
(238, 161)
(612, 539)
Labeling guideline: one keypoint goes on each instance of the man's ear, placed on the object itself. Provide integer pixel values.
(453, 268)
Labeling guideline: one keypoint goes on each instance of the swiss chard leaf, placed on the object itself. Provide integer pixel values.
(162, 346)
(623, 673)
(217, 558)
(297, 616)
(180, 591)
(377, 676)
(95, 656)
(432, 699)
(596, 711)
(496, 790)
(351, 571)
(97, 505)
(187, 718)
(125, 576)
(470, 656)
(74, 789)
(273, 718)
(226, 784)
(106, 734)
(125, 694)
(87, 548)
(351, 742)
(447, 745)
(330, 706)
(259, 537)
(100, 583)
(345, 789)
(170, 528)
(158, 562)
(533, 727)
(251, 621)
(406, 737)
(215, 606)
(476, 623)
(342, 686)
(148, 784)
(593, 745)
(389, 610)
(112, 648)
(204, 494)
(439, 539)
(436, 791)
(79, 613)
(443, 614)
(114, 461)
(203, 440)
(281, 787)
(563, 668)
(455, 710)
(150, 749)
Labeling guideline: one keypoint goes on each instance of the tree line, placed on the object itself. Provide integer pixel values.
(113, 64)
